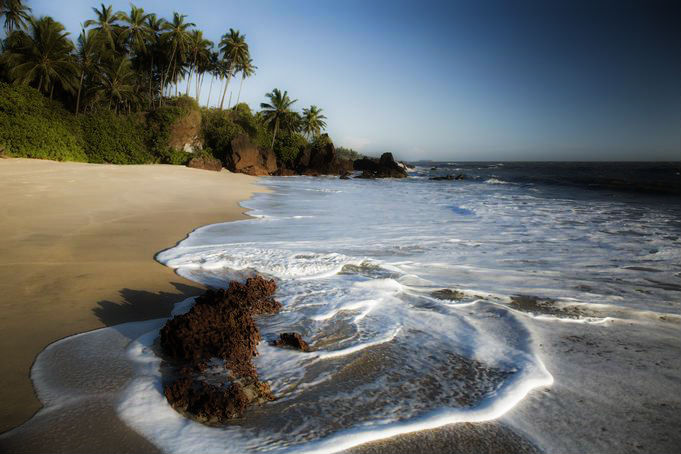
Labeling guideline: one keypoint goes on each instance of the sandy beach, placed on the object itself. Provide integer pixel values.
(77, 246)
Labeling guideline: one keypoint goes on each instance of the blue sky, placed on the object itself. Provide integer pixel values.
(485, 80)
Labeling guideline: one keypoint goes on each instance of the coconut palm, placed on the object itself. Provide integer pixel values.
(86, 59)
(235, 52)
(105, 25)
(16, 14)
(117, 83)
(277, 112)
(217, 68)
(313, 121)
(247, 70)
(155, 25)
(42, 55)
(204, 64)
(177, 38)
(135, 32)
(198, 48)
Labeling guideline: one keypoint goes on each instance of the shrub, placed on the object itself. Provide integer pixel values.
(287, 146)
(348, 153)
(159, 123)
(32, 126)
(115, 139)
(218, 129)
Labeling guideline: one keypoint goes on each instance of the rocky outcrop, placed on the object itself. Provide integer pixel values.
(220, 326)
(385, 167)
(205, 162)
(319, 158)
(292, 340)
(247, 158)
(185, 133)
(460, 176)
(285, 172)
(447, 294)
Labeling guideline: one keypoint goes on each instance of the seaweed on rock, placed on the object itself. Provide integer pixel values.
(219, 326)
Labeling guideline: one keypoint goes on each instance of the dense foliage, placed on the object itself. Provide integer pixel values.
(114, 87)
(33, 126)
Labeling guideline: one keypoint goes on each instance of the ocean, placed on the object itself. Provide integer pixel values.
(513, 295)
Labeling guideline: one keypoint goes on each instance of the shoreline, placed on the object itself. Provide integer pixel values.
(79, 244)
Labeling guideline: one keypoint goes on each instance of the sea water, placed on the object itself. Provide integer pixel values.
(357, 264)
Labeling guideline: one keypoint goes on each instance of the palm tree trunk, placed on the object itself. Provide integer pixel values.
(210, 89)
(229, 102)
(82, 75)
(51, 91)
(151, 80)
(229, 77)
(276, 127)
(240, 85)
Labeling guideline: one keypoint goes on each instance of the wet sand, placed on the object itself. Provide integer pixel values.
(77, 243)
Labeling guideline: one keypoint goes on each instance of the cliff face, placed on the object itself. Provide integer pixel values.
(185, 133)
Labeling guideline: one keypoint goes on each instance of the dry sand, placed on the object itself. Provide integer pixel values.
(77, 243)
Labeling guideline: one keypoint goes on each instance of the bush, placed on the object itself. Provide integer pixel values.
(218, 129)
(115, 139)
(32, 126)
(348, 153)
(287, 146)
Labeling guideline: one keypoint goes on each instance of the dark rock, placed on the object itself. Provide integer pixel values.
(345, 176)
(245, 157)
(220, 326)
(365, 165)
(447, 294)
(293, 340)
(460, 176)
(319, 158)
(205, 162)
(285, 172)
(214, 403)
(385, 167)
(433, 168)
(346, 166)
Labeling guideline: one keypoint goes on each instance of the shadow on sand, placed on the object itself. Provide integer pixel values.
(138, 305)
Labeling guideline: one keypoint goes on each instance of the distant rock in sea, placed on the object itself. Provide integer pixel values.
(385, 167)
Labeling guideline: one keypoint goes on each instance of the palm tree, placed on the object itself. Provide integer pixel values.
(42, 55)
(198, 47)
(204, 64)
(155, 25)
(117, 82)
(217, 69)
(177, 37)
(16, 15)
(247, 70)
(313, 121)
(277, 112)
(136, 31)
(105, 25)
(234, 51)
(85, 59)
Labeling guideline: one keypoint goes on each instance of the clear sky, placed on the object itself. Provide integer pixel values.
(455, 80)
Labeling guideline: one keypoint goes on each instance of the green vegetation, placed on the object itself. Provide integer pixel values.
(107, 98)
(348, 153)
(32, 126)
